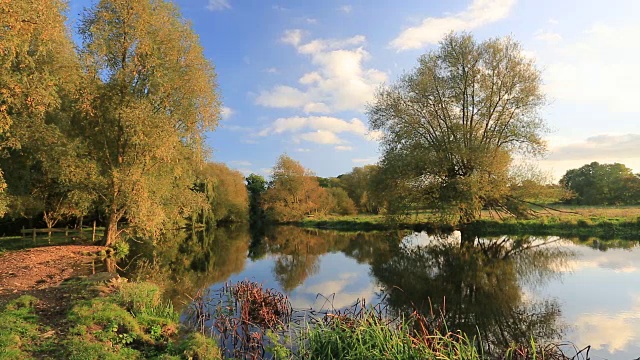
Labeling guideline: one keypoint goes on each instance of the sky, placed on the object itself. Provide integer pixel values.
(295, 76)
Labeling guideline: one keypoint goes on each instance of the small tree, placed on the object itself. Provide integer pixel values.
(293, 192)
(343, 203)
(228, 198)
(451, 127)
(256, 186)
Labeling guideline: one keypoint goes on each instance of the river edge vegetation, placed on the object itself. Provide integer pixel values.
(111, 318)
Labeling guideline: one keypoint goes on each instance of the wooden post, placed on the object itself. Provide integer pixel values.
(24, 234)
(49, 236)
(93, 236)
(33, 232)
(82, 237)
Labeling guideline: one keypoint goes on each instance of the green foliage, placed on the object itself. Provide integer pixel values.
(256, 186)
(19, 331)
(602, 184)
(371, 337)
(360, 184)
(451, 127)
(343, 203)
(198, 346)
(226, 195)
(145, 113)
(294, 192)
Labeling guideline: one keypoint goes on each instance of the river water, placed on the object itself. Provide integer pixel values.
(506, 289)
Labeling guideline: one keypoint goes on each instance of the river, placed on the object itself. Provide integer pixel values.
(506, 289)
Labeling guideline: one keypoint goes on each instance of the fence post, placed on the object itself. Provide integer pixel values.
(93, 236)
(24, 234)
(81, 227)
(33, 232)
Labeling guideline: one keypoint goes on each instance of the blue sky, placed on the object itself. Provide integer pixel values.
(295, 76)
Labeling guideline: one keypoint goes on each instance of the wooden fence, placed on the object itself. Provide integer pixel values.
(68, 233)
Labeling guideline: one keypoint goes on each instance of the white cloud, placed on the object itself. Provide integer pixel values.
(370, 160)
(226, 112)
(317, 129)
(218, 5)
(292, 37)
(339, 81)
(325, 123)
(346, 9)
(614, 147)
(320, 137)
(565, 154)
(598, 69)
(432, 29)
(271, 70)
(282, 96)
(343, 148)
(311, 21)
(548, 36)
(303, 150)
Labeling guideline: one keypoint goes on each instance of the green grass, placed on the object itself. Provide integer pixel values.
(113, 320)
(599, 227)
(19, 330)
(572, 221)
(11, 243)
(369, 337)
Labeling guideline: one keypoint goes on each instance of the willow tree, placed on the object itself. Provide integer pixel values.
(452, 126)
(150, 97)
(38, 68)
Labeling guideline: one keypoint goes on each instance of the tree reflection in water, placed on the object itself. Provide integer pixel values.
(297, 250)
(477, 285)
(184, 262)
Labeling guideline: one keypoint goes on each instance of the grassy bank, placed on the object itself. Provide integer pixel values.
(110, 318)
(601, 222)
(107, 319)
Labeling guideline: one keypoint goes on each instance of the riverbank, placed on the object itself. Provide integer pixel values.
(601, 222)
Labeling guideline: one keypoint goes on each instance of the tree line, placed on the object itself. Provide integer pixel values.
(114, 126)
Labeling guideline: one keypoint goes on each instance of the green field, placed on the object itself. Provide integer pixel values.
(602, 222)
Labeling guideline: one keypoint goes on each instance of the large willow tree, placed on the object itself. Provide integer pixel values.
(151, 95)
(452, 126)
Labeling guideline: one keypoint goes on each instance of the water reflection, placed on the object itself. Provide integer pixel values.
(184, 262)
(476, 285)
(506, 288)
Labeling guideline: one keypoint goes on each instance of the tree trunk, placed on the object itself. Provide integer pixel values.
(467, 238)
(111, 228)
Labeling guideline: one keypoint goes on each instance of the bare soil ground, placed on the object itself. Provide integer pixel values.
(40, 271)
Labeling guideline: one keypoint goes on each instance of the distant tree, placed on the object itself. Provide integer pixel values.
(602, 184)
(359, 186)
(330, 182)
(256, 186)
(230, 200)
(451, 127)
(293, 192)
(149, 97)
(343, 203)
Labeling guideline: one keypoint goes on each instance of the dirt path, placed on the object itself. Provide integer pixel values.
(39, 271)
